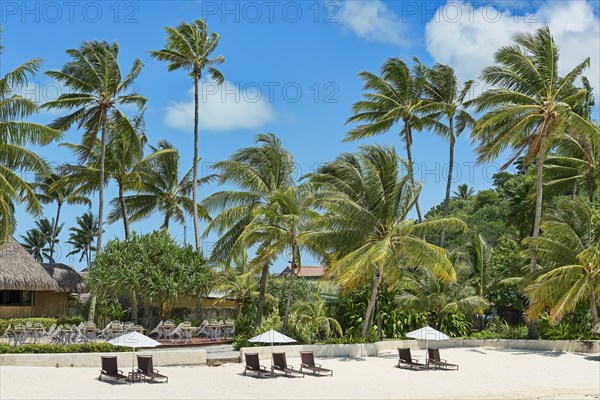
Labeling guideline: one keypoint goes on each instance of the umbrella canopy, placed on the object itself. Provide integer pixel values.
(272, 337)
(133, 340)
(427, 333)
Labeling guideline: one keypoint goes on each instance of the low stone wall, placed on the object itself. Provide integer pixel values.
(379, 348)
(161, 358)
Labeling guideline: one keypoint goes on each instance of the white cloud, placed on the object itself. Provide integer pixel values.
(466, 37)
(372, 20)
(222, 108)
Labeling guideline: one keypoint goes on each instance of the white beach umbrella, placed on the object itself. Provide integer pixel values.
(427, 333)
(133, 340)
(272, 337)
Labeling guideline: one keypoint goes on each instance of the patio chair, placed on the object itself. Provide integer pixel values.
(105, 333)
(308, 362)
(158, 330)
(110, 370)
(7, 333)
(203, 330)
(280, 364)
(405, 360)
(253, 366)
(147, 369)
(50, 331)
(436, 362)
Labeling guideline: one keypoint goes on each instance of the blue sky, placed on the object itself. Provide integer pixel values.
(290, 69)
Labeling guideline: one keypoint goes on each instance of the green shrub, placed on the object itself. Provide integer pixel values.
(33, 348)
(241, 341)
(499, 329)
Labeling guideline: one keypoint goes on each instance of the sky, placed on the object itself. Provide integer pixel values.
(290, 68)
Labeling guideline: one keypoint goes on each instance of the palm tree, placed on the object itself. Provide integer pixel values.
(364, 230)
(463, 192)
(15, 135)
(161, 189)
(189, 47)
(529, 107)
(445, 99)
(569, 250)
(426, 293)
(51, 189)
(278, 226)
(35, 242)
(82, 237)
(97, 90)
(577, 161)
(313, 312)
(395, 96)
(257, 172)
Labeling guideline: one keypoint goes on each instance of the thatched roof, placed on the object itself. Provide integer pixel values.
(69, 280)
(20, 271)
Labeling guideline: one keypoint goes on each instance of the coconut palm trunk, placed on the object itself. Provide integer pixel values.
(261, 294)
(593, 304)
(195, 165)
(288, 303)
(124, 211)
(371, 304)
(55, 230)
(134, 306)
(449, 182)
(411, 165)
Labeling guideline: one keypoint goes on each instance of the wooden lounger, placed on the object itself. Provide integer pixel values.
(405, 360)
(110, 370)
(280, 364)
(435, 361)
(146, 367)
(253, 366)
(308, 362)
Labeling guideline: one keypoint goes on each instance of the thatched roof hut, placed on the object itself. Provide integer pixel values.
(20, 271)
(69, 280)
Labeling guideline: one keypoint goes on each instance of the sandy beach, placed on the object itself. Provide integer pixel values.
(484, 373)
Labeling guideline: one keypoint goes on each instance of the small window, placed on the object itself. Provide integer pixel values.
(16, 298)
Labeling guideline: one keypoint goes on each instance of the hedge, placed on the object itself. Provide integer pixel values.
(32, 348)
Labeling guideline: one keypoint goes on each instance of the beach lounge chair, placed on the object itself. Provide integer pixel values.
(435, 361)
(253, 365)
(280, 364)
(405, 360)
(146, 367)
(308, 362)
(110, 370)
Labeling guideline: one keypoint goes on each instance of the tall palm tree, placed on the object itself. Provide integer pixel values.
(36, 243)
(82, 237)
(97, 90)
(160, 189)
(313, 312)
(364, 230)
(446, 99)
(577, 161)
(257, 171)
(189, 47)
(50, 189)
(395, 96)
(278, 226)
(15, 135)
(463, 192)
(528, 107)
(569, 251)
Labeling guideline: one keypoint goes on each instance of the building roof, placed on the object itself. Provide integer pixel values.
(306, 271)
(68, 280)
(20, 271)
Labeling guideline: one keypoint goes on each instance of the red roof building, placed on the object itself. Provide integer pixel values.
(308, 271)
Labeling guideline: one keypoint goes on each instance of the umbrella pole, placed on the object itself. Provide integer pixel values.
(132, 359)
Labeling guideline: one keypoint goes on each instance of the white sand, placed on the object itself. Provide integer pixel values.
(484, 373)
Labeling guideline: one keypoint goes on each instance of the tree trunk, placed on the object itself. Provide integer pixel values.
(379, 327)
(92, 311)
(593, 305)
(124, 211)
(260, 305)
(531, 329)
(195, 166)
(166, 222)
(134, 306)
(371, 304)
(288, 303)
(448, 184)
(55, 231)
(410, 165)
